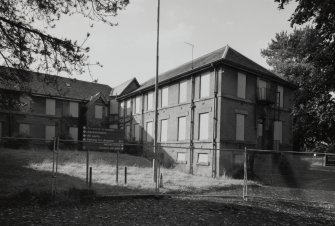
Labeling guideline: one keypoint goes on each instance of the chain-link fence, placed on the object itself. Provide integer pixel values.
(59, 165)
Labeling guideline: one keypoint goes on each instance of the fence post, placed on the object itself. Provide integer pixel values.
(57, 150)
(87, 164)
(90, 184)
(245, 181)
(117, 166)
(53, 167)
(125, 175)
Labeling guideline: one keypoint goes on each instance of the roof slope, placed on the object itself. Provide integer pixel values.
(118, 90)
(51, 85)
(227, 54)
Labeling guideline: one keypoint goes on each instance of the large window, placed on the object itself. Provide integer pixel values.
(73, 109)
(280, 96)
(240, 127)
(164, 130)
(183, 92)
(98, 111)
(138, 105)
(182, 128)
(165, 96)
(204, 85)
(121, 109)
(73, 131)
(150, 101)
(149, 131)
(203, 158)
(128, 107)
(24, 129)
(50, 106)
(241, 85)
(278, 131)
(203, 126)
(50, 132)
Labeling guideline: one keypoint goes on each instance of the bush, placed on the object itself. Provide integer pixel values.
(17, 142)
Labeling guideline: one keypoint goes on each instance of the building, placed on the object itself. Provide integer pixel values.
(50, 106)
(222, 100)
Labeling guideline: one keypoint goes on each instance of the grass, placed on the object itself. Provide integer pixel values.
(31, 169)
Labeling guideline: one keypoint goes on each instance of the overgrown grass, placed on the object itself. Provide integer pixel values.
(31, 169)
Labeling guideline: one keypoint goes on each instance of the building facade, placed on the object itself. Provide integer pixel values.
(222, 100)
(55, 106)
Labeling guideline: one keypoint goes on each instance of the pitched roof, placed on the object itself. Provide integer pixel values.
(118, 90)
(226, 54)
(51, 85)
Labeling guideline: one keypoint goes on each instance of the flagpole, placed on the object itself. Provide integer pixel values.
(156, 150)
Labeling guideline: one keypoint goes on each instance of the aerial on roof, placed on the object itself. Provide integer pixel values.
(51, 85)
(225, 54)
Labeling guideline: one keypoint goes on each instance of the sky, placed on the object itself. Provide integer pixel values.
(129, 49)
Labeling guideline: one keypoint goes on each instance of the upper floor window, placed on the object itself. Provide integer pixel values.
(121, 109)
(150, 101)
(73, 109)
(262, 89)
(138, 107)
(204, 85)
(165, 96)
(182, 91)
(98, 111)
(280, 96)
(50, 106)
(241, 85)
(128, 112)
(136, 132)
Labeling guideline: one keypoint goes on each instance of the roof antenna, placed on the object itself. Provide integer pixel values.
(192, 45)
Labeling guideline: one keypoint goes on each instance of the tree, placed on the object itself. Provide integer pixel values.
(306, 57)
(23, 46)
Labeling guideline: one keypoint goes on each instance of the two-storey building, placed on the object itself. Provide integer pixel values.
(221, 100)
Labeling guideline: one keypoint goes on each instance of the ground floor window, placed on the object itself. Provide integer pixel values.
(181, 157)
(50, 132)
(203, 158)
(24, 129)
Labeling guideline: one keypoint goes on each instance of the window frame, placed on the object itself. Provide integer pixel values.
(184, 100)
(200, 129)
(179, 132)
(201, 90)
(166, 130)
(48, 110)
(95, 111)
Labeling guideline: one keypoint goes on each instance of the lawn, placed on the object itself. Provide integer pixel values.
(32, 169)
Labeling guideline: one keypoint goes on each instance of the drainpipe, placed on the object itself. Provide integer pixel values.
(215, 122)
(192, 106)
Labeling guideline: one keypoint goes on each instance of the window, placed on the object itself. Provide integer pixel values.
(50, 132)
(164, 130)
(73, 131)
(262, 86)
(50, 107)
(182, 91)
(204, 85)
(241, 85)
(24, 129)
(150, 101)
(203, 158)
(98, 112)
(136, 132)
(278, 131)
(203, 126)
(149, 131)
(165, 96)
(128, 107)
(25, 102)
(240, 127)
(73, 109)
(181, 128)
(138, 105)
(280, 96)
(128, 135)
(259, 129)
(181, 157)
(121, 109)
(113, 109)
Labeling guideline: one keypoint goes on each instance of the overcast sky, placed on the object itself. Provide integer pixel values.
(128, 50)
